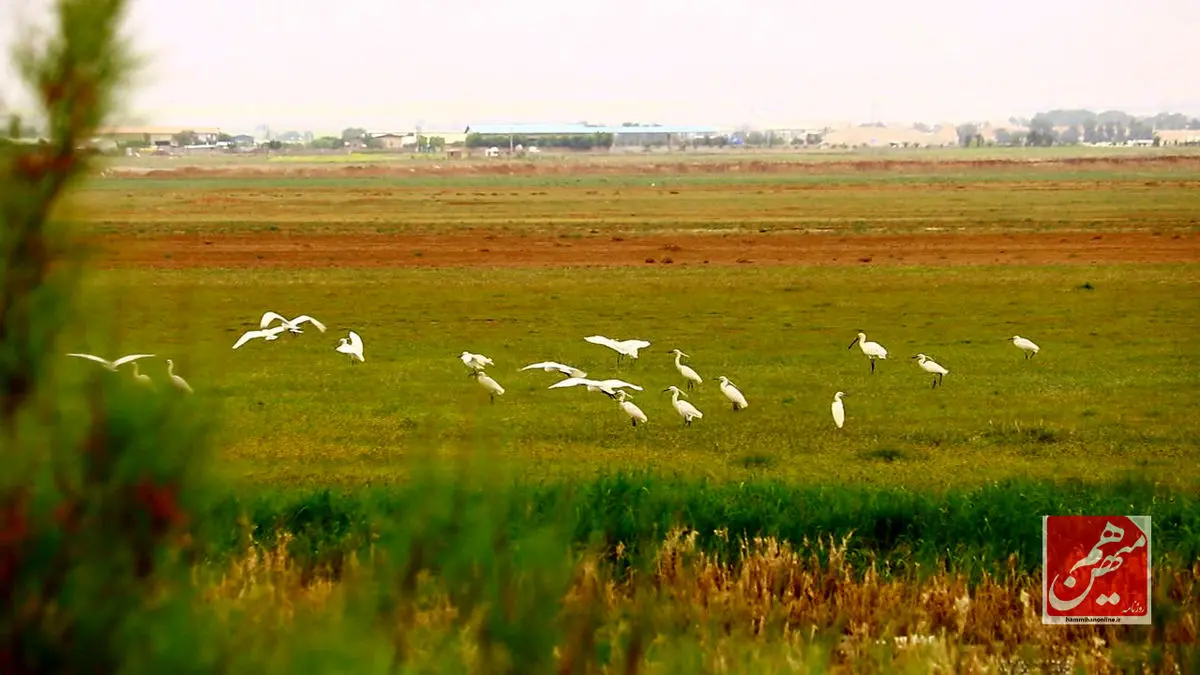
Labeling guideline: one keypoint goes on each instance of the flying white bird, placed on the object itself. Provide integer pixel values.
(731, 392)
(352, 346)
(267, 334)
(112, 365)
(686, 410)
(551, 367)
(839, 410)
(140, 376)
(928, 365)
(475, 361)
(1026, 345)
(177, 380)
(607, 387)
(293, 325)
(873, 350)
(692, 377)
(622, 348)
(635, 413)
(493, 387)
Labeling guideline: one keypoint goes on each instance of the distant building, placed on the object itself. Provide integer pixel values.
(156, 136)
(400, 140)
(873, 136)
(394, 141)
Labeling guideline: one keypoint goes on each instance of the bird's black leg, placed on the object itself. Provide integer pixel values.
(872, 365)
(634, 421)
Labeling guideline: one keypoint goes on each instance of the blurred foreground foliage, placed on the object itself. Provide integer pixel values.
(119, 554)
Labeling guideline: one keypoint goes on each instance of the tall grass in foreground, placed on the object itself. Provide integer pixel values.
(104, 517)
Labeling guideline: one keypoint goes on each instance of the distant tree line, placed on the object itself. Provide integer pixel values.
(571, 141)
(1071, 127)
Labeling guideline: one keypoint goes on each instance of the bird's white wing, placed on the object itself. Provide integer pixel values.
(355, 340)
(618, 384)
(93, 357)
(304, 317)
(560, 367)
(248, 336)
(601, 340)
(268, 317)
(131, 357)
(571, 382)
(636, 344)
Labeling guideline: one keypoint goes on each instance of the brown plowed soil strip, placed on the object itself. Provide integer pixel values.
(280, 250)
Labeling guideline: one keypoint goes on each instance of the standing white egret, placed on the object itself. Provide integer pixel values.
(292, 325)
(1026, 345)
(353, 346)
(732, 393)
(141, 377)
(112, 365)
(553, 366)
(635, 413)
(176, 380)
(267, 334)
(493, 387)
(692, 377)
(475, 361)
(628, 348)
(873, 350)
(839, 410)
(606, 387)
(686, 410)
(928, 365)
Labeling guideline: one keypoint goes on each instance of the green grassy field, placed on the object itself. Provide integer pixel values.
(300, 514)
(1109, 396)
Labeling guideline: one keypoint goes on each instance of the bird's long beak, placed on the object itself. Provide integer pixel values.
(853, 343)
(913, 356)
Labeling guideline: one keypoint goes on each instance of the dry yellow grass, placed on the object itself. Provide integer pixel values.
(771, 609)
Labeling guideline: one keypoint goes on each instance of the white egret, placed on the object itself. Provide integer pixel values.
(731, 392)
(686, 410)
(475, 361)
(928, 365)
(873, 350)
(1026, 345)
(607, 387)
(293, 325)
(267, 334)
(692, 377)
(140, 376)
(552, 366)
(493, 387)
(635, 413)
(112, 365)
(839, 410)
(176, 380)
(352, 346)
(628, 348)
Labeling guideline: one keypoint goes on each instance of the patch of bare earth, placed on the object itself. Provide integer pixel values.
(283, 250)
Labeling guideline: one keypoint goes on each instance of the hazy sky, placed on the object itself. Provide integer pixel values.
(388, 64)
